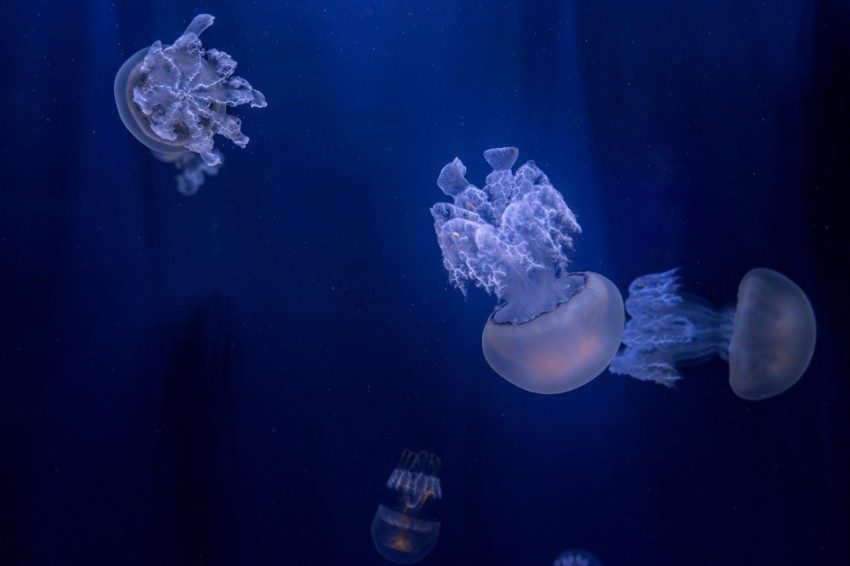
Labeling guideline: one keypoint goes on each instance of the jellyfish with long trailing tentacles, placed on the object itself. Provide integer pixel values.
(401, 530)
(553, 331)
(768, 338)
(174, 99)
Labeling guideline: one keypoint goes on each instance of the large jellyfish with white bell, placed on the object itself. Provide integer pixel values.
(553, 330)
(768, 338)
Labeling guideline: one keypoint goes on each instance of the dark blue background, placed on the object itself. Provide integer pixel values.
(230, 378)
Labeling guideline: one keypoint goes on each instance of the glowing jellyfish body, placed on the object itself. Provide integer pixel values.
(768, 338)
(576, 557)
(401, 532)
(174, 99)
(554, 331)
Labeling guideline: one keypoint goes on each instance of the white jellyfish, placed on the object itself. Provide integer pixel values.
(174, 99)
(554, 331)
(402, 531)
(768, 338)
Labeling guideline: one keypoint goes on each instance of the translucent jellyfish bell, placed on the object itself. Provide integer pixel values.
(174, 99)
(774, 337)
(401, 532)
(554, 331)
(768, 338)
(576, 557)
(563, 348)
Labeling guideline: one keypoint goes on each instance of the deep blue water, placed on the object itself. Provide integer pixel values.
(229, 378)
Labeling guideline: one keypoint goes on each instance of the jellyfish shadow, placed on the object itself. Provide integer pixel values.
(192, 512)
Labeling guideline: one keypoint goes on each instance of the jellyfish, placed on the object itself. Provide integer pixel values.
(552, 331)
(174, 99)
(768, 338)
(401, 531)
(576, 557)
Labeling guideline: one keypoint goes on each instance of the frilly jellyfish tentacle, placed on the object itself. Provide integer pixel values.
(668, 328)
(501, 158)
(193, 170)
(198, 24)
(452, 178)
(500, 186)
(509, 238)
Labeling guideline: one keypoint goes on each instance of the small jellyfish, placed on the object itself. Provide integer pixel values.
(576, 557)
(553, 331)
(768, 338)
(401, 531)
(174, 99)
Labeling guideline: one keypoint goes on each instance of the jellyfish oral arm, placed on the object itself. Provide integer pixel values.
(508, 238)
(668, 329)
(186, 91)
(198, 24)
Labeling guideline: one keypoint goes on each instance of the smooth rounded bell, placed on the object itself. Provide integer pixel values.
(563, 348)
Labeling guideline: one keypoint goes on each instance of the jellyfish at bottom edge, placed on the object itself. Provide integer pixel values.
(174, 99)
(768, 338)
(576, 557)
(401, 530)
(553, 331)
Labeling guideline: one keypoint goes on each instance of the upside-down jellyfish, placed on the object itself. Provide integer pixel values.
(553, 331)
(174, 99)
